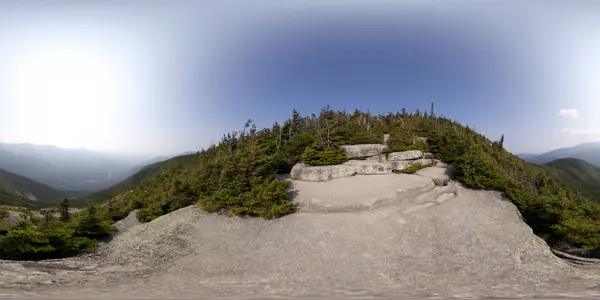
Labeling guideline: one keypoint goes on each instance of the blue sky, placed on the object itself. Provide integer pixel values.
(167, 77)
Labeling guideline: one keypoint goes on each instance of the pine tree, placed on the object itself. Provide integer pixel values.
(64, 210)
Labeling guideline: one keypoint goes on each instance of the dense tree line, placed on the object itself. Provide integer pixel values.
(50, 236)
(238, 175)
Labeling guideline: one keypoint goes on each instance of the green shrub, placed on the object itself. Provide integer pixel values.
(402, 142)
(413, 168)
(35, 238)
(329, 156)
(150, 213)
(3, 213)
(91, 225)
(237, 174)
(267, 200)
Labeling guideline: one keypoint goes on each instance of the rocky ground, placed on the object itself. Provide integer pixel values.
(405, 236)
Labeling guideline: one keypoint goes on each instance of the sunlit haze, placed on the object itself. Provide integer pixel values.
(170, 76)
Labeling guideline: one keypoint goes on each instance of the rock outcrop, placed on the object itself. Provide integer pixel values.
(404, 155)
(374, 161)
(379, 158)
(389, 236)
(369, 167)
(306, 172)
(364, 150)
(403, 160)
(439, 175)
(13, 217)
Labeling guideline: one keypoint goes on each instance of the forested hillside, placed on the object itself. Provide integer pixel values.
(64, 169)
(130, 182)
(237, 176)
(579, 175)
(18, 190)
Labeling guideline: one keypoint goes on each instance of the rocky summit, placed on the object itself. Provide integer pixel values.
(416, 234)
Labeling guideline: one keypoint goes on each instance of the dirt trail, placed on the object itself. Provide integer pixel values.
(445, 240)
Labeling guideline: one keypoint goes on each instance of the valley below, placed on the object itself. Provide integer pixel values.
(404, 236)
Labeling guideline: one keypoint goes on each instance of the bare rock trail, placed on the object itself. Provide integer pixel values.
(376, 235)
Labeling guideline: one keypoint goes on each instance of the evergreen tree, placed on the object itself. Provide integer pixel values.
(238, 176)
(64, 210)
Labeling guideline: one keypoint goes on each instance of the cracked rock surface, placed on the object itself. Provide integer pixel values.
(439, 240)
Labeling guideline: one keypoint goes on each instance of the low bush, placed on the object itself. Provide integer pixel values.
(413, 168)
(44, 238)
(329, 156)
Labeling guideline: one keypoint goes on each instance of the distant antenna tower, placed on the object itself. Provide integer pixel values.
(432, 111)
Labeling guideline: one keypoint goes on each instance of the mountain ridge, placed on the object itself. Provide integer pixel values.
(17, 190)
(578, 174)
(63, 169)
(589, 152)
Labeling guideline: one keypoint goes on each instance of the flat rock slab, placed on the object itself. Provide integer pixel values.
(370, 167)
(474, 246)
(306, 172)
(440, 175)
(404, 155)
(359, 193)
(364, 150)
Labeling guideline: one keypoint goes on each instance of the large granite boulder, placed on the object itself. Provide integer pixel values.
(364, 150)
(425, 161)
(306, 172)
(400, 165)
(13, 217)
(380, 158)
(369, 167)
(440, 175)
(386, 138)
(404, 155)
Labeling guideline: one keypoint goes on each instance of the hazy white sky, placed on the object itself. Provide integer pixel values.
(151, 78)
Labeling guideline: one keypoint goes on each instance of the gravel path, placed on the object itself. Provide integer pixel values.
(471, 244)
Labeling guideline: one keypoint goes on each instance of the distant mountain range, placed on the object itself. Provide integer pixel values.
(65, 169)
(578, 167)
(18, 190)
(69, 169)
(589, 152)
(577, 174)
